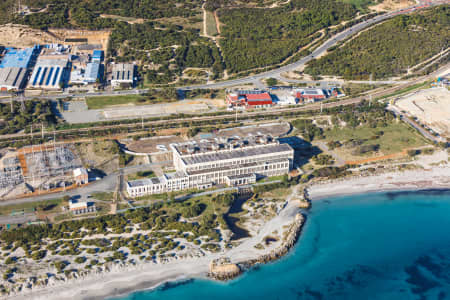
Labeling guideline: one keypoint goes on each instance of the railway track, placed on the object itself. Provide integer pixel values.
(142, 126)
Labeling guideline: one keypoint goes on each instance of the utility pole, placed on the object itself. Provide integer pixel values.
(42, 131)
(142, 121)
(236, 113)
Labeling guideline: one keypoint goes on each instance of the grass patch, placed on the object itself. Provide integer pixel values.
(195, 73)
(45, 206)
(405, 90)
(103, 196)
(395, 138)
(106, 101)
(152, 97)
(211, 27)
(270, 179)
(141, 174)
(355, 89)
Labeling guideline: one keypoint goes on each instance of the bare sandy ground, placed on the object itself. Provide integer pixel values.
(389, 5)
(20, 36)
(431, 106)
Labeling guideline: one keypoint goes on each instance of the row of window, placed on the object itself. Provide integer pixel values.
(235, 162)
(218, 177)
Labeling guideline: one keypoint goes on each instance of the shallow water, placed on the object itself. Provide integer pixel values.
(372, 246)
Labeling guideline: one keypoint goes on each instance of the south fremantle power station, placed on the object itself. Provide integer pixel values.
(231, 161)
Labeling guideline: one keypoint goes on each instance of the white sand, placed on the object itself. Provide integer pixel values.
(436, 178)
(120, 281)
(124, 280)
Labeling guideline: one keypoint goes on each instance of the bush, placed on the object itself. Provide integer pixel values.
(323, 159)
(61, 265)
(80, 259)
(366, 149)
(193, 210)
(10, 260)
(333, 145)
(412, 152)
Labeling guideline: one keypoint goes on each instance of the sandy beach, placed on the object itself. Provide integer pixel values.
(436, 178)
(122, 280)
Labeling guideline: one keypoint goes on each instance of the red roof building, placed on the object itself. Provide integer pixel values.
(250, 100)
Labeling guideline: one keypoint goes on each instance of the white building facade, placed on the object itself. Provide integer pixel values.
(202, 165)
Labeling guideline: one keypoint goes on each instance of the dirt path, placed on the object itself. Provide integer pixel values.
(378, 158)
(216, 17)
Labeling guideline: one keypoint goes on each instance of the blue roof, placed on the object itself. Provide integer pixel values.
(18, 58)
(97, 54)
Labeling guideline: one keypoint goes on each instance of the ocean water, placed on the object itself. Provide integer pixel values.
(372, 246)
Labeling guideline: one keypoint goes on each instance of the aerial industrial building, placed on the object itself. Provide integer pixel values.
(15, 58)
(14, 67)
(86, 76)
(123, 74)
(232, 161)
(50, 72)
(12, 78)
(249, 99)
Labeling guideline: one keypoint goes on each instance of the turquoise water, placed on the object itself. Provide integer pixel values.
(374, 246)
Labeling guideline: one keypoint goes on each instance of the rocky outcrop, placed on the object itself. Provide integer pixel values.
(223, 269)
(291, 238)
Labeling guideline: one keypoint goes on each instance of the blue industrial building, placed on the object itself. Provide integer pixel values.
(15, 58)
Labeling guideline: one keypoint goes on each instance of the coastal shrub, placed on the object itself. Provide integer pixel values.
(61, 265)
(108, 259)
(363, 149)
(80, 259)
(323, 159)
(211, 247)
(10, 260)
(92, 250)
(413, 152)
(37, 255)
(193, 210)
(333, 145)
(331, 172)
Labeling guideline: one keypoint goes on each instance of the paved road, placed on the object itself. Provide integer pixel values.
(256, 79)
(317, 52)
(106, 184)
(340, 82)
(246, 115)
